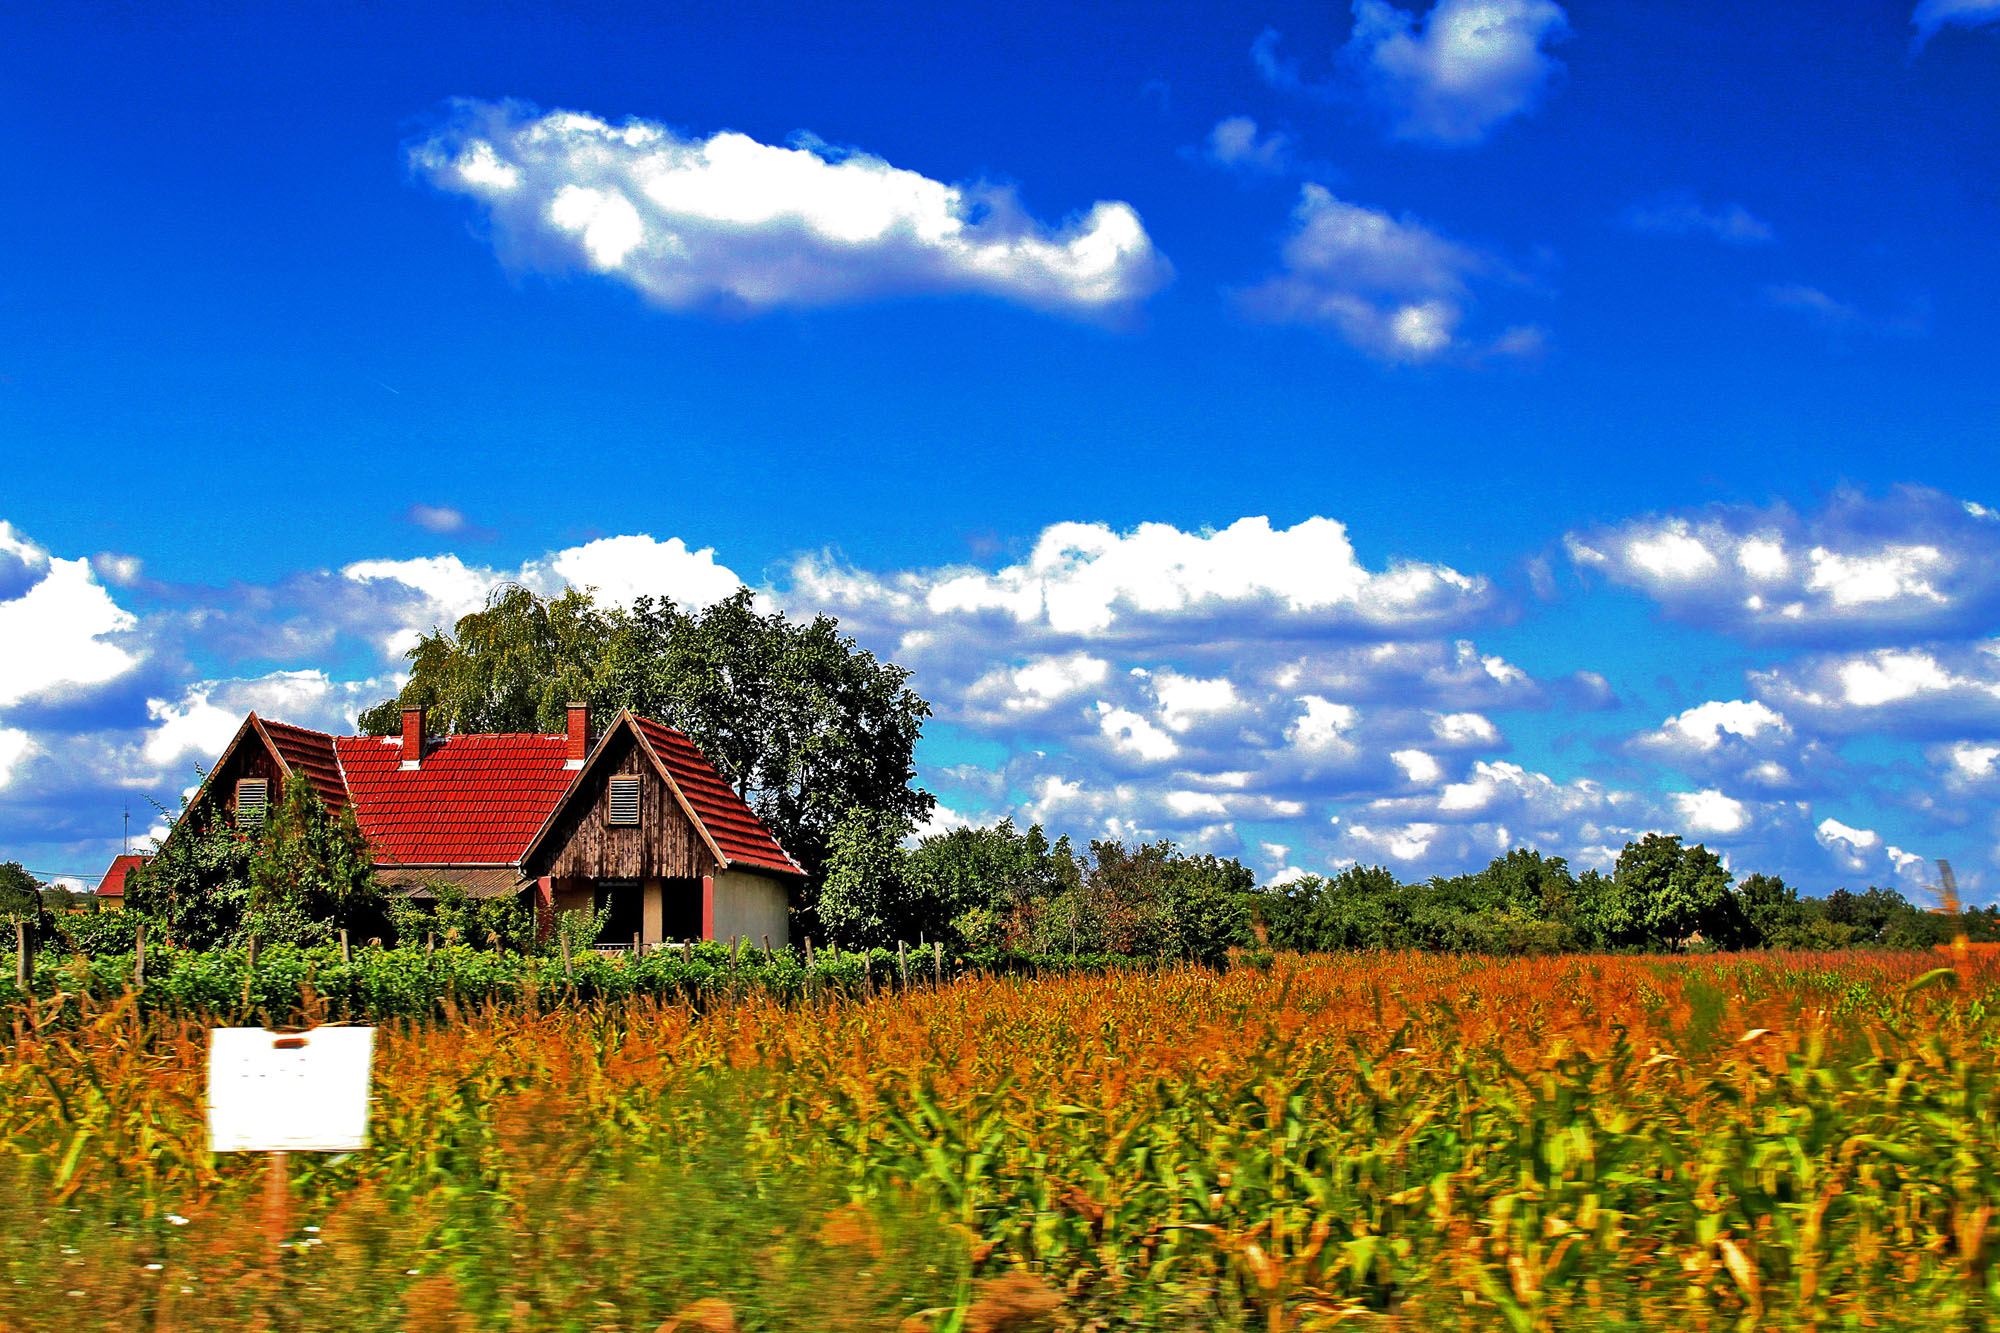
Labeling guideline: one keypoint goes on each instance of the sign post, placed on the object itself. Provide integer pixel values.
(285, 1092)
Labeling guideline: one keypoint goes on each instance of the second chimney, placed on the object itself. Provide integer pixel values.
(413, 736)
(579, 736)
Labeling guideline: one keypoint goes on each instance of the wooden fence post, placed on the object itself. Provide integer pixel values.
(345, 955)
(430, 943)
(568, 975)
(937, 963)
(24, 972)
(139, 957)
(903, 962)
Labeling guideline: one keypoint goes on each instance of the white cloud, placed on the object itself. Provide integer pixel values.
(1909, 691)
(1710, 813)
(1089, 580)
(196, 726)
(1188, 700)
(1706, 725)
(1393, 289)
(15, 746)
(728, 222)
(1134, 734)
(1419, 767)
(441, 519)
(55, 626)
(1931, 15)
(1913, 561)
(1681, 214)
(1741, 743)
(1863, 851)
(623, 569)
(1235, 142)
(1471, 65)
(436, 590)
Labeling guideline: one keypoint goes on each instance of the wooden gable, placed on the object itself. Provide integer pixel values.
(582, 842)
(250, 755)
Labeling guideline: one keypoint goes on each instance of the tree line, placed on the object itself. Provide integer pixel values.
(819, 737)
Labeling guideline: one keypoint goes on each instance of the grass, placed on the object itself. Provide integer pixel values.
(1396, 1141)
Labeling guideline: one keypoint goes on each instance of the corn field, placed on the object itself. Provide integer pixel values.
(1387, 1141)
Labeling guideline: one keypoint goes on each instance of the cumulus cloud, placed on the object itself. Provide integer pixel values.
(1911, 691)
(1449, 80)
(1744, 742)
(1681, 214)
(728, 223)
(58, 622)
(1391, 288)
(1236, 143)
(14, 747)
(1863, 851)
(196, 726)
(1469, 66)
(1158, 581)
(410, 597)
(1931, 15)
(1915, 561)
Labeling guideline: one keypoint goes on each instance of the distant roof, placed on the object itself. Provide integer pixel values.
(113, 883)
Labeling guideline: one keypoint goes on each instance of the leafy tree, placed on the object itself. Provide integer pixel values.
(196, 886)
(312, 873)
(512, 666)
(20, 893)
(867, 900)
(806, 724)
(1772, 910)
(998, 885)
(1673, 892)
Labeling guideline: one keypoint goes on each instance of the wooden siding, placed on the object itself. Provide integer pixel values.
(585, 845)
(252, 759)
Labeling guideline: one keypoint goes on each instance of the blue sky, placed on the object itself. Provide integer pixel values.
(1313, 433)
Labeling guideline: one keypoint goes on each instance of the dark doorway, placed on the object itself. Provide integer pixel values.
(680, 914)
(627, 907)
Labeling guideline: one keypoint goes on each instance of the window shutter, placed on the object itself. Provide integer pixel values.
(625, 802)
(253, 795)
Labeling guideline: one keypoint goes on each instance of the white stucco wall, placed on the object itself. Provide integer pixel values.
(751, 906)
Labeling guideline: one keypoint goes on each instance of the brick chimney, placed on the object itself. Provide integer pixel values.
(579, 736)
(413, 736)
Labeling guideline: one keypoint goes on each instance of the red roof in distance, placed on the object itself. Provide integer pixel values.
(113, 883)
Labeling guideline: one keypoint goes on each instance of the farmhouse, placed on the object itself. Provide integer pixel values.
(633, 819)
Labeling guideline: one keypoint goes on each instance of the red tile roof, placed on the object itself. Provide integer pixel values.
(736, 829)
(311, 753)
(113, 884)
(476, 800)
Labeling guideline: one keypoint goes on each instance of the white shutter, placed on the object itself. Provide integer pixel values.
(253, 795)
(625, 802)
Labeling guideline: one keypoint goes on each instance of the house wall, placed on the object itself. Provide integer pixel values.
(665, 845)
(752, 906)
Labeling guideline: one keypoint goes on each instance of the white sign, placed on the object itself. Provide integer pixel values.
(288, 1091)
